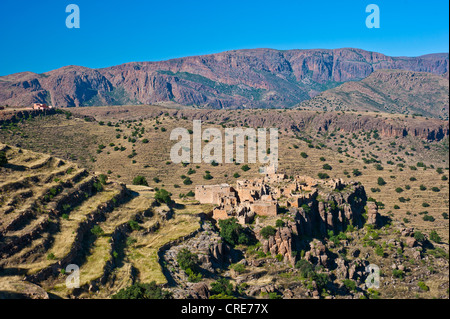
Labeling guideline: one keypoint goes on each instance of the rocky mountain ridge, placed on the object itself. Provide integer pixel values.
(233, 79)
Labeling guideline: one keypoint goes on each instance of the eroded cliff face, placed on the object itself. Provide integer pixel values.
(241, 78)
(318, 215)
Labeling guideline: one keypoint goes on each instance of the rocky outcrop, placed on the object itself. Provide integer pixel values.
(280, 244)
(372, 214)
(239, 78)
(317, 253)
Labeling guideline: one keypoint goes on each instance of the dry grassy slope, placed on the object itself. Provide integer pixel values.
(34, 239)
(79, 139)
(394, 91)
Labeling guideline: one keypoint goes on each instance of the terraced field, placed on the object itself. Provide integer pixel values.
(53, 214)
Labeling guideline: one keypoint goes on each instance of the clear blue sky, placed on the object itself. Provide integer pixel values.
(34, 37)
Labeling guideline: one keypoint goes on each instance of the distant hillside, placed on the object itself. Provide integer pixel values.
(393, 91)
(233, 79)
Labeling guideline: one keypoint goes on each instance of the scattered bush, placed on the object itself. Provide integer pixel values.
(397, 273)
(306, 268)
(435, 189)
(323, 175)
(163, 196)
(103, 179)
(187, 260)
(222, 287)
(142, 291)
(435, 237)
(356, 172)
(423, 286)
(381, 181)
(140, 180)
(233, 232)
(279, 223)
(268, 231)
(97, 231)
(134, 225)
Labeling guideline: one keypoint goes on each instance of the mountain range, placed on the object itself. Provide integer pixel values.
(253, 78)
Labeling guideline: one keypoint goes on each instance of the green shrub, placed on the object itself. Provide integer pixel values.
(356, 172)
(397, 273)
(379, 251)
(222, 287)
(103, 179)
(193, 276)
(279, 223)
(142, 291)
(419, 236)
(163, 196)
(190, 194)
(268, 231)
(381, 181)
(349, 284)
(435, 237)
(275, 295)
(97, 231)
(207, 176)
(239, 268)
(306, 268)
(134, 225)
(233, 232)
(98, 186)
(323, 175)
(156, 180)
(423, 286)
(140, 180)
(187, 260)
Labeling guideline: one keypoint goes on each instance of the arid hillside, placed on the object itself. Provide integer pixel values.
(393, 91)
(54, 213)
(409, 154)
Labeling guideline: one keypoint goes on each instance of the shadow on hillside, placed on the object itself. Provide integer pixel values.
(14, 271)
(383, 221)
(14, 167)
